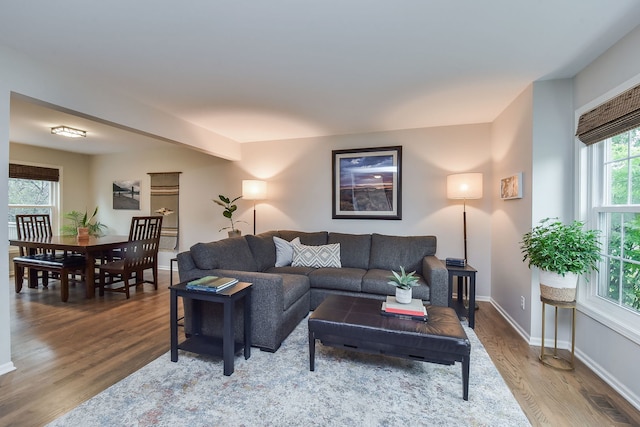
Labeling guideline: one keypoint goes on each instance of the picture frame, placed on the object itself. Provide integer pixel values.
(511, 187)
(126, 194)
(367, 183)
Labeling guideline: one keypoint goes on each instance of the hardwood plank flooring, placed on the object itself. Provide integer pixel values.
(66, 353)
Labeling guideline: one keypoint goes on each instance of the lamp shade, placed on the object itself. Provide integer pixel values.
(254, 190)
(464, 186)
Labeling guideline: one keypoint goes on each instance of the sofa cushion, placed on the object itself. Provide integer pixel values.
(284, 251)
(391, 252)
(345, 279)
(312, 239)
(316, 256)
(263, 249)
(231, 254)
(294, 287)
(304, 271)
(354, 249)
(375, 281)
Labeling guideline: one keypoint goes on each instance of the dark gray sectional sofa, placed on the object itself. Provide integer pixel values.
(283, 296)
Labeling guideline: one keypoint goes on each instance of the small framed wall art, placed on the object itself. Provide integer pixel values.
(511, 187)
(126, 194)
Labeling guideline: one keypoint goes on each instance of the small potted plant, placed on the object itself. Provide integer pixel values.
(229, 209)
(403, 282)
(562, 253)
(83, 225)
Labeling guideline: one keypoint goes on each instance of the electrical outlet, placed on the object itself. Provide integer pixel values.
(522, 302)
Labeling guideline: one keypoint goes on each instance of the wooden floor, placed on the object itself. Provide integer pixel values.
(66, 353)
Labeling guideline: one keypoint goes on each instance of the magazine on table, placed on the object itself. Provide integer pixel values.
(211, 283)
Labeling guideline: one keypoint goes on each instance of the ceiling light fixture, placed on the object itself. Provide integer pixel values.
(67, 131)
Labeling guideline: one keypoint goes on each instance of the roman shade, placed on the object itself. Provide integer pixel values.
(615, 116)
(33, 172)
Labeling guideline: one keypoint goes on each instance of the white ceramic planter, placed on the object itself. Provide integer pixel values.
(403, 296)
(555, 287)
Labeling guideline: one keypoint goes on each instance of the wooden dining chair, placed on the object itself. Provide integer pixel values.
(140, 254)
(33, 226)
(42, 262)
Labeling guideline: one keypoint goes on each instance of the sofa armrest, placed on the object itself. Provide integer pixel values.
(437, 277)
(187, 269)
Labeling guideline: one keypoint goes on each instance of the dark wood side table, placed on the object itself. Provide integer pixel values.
(460, 272)
(202, 344)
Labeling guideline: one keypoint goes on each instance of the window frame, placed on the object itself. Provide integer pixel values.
(590, 185)
(54, 197)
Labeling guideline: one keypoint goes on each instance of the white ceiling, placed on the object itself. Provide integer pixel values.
(257, 70)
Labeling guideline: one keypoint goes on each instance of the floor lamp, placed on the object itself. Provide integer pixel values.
(465, 186)
(254, 190)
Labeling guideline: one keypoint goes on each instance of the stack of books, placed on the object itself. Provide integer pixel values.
(211, 283)
(414, 310)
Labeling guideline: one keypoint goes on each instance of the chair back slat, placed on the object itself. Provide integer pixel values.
(145, 227)
(141, 254)
(33, 226)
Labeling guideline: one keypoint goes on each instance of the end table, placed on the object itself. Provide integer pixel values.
(198, 343)
(460, 272)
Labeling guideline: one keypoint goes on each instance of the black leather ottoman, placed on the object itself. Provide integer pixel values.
(354, 323)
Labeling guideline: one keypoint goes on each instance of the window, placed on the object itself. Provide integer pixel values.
(614, 193)
(31, 193)
(619, 218)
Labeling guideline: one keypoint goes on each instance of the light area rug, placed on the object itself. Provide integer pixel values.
(277, 389)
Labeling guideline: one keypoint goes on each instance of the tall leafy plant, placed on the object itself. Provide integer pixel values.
(228, 209)
(560, 248)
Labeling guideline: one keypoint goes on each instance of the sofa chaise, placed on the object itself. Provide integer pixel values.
(293, 271)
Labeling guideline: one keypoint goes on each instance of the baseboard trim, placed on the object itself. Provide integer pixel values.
(609, 379)
(512, 322)
(7, 367)
(627, 394)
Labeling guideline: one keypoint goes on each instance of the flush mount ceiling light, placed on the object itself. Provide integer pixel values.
(67, 131)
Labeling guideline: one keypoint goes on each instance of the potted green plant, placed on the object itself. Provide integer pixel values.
(403, 282)
(562, 253)
(83, 225)
(229, 209)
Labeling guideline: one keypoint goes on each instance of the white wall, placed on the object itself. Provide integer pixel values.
(553, 181)
(512, 145)
(612, 354)
(298, 173)
(5, 325)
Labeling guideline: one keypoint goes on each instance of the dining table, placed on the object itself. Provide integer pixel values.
(93, 248)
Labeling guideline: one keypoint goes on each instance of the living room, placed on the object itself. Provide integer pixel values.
(532, 135)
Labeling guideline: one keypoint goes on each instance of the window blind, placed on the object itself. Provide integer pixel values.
(33, 172)
(611, 118)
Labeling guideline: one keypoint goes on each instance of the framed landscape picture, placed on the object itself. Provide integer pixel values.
(367, 183)
(126, 194)
(511, 187)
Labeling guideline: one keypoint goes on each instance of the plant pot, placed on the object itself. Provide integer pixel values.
(556, 287)
(234, 233)
(403, 296)
(83, 233)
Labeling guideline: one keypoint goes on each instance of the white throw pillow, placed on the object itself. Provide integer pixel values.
(284, 251)
(316, 256)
